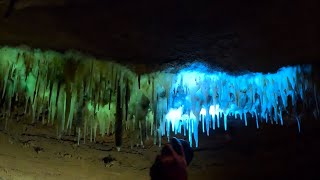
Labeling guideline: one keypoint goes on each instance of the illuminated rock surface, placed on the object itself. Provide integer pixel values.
(72, 89)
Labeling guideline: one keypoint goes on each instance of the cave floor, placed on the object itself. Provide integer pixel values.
(33, 152)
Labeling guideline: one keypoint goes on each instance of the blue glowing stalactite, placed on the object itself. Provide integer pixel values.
(206, 98)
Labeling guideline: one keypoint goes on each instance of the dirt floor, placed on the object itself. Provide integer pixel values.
(33, 152)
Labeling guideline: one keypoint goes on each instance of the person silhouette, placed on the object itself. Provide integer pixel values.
(173, 161)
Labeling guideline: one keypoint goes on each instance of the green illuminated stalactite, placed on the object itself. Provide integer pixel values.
(6, 72)
(53, 102)
(69, 108)
(127, 100)
(42, 89)
(72, 97)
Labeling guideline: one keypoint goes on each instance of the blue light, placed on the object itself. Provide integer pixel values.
(199, 94)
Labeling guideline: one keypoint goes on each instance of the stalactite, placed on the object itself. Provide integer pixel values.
(100, 90)
(122, 86)
(118, 122)
(127, 99)
(112, 76)
(110, 96)
(10, 94)
(139, 78)
(41, 94)
(169, 101)
(7, 71)
(115, 80)
(68, 104)
(79, 116)
(53, 102)
(34, 96)
(61, 110)
(91, 79)
(73, 105)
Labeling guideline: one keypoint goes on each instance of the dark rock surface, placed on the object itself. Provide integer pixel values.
(235, 35)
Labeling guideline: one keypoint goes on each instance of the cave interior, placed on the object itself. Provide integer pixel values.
(92, 89)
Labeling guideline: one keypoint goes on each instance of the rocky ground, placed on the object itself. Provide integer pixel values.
(273, 152)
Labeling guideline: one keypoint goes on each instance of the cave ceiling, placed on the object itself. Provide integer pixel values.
(251, 35)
